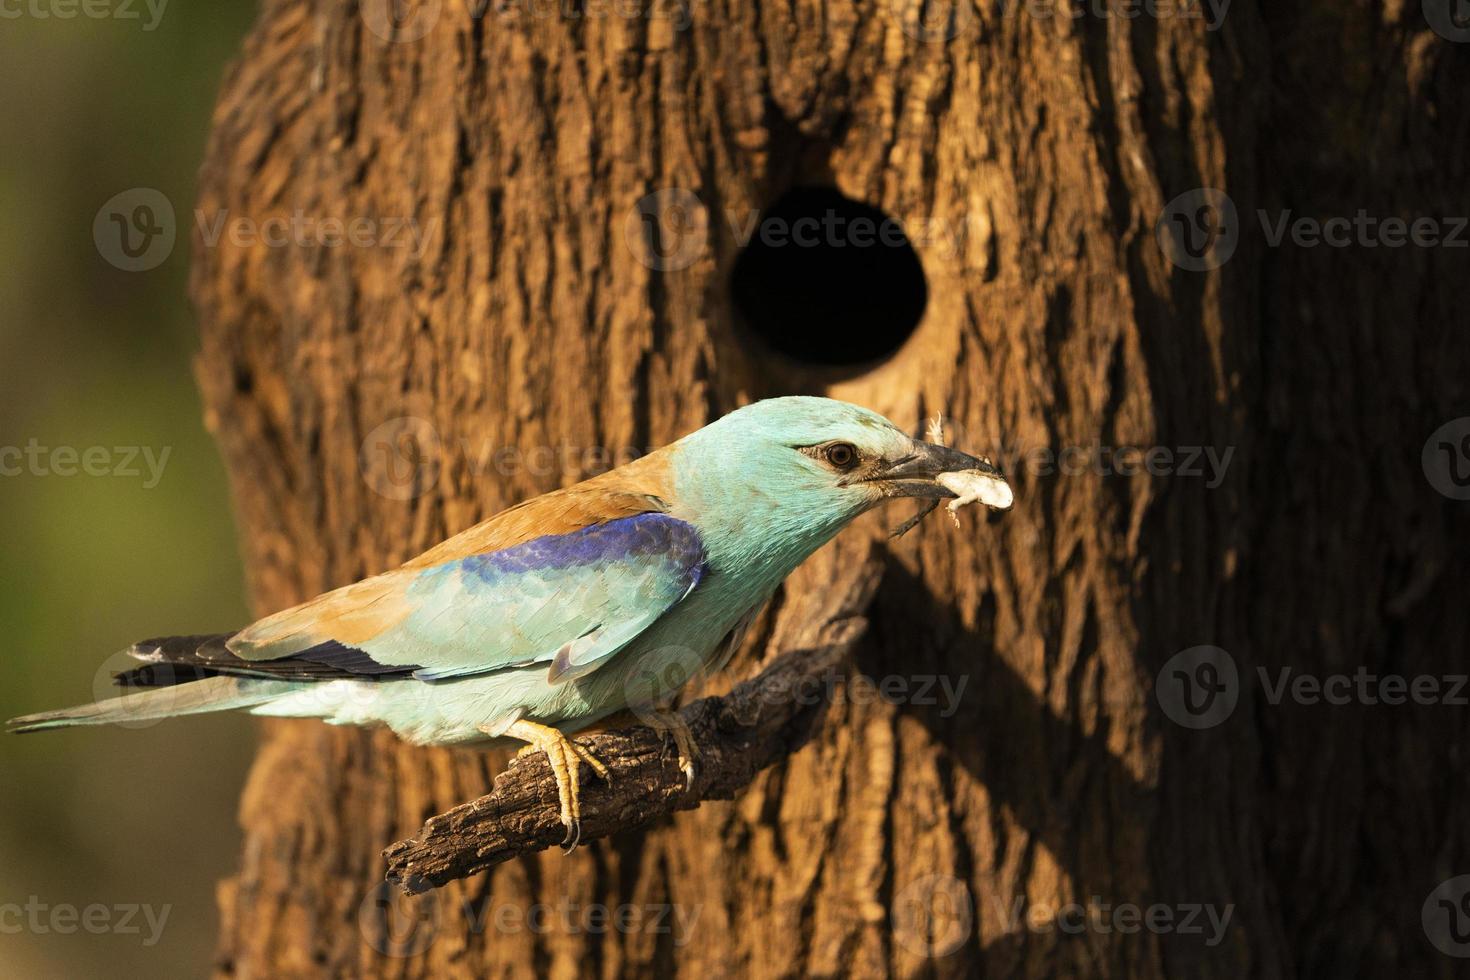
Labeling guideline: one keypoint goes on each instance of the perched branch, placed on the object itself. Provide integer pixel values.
(760, 722)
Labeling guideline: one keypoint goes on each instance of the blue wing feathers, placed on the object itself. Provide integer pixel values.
(569, 600)
(566, 600)
(628, 539)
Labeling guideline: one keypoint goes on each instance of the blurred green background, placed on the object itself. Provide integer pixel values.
(91, 355)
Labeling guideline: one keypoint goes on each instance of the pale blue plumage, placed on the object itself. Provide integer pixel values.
(572, 599)
(575, 604)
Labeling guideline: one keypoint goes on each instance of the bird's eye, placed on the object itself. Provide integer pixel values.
(841, 455)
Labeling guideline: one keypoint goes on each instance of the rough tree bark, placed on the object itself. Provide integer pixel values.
(901, 840)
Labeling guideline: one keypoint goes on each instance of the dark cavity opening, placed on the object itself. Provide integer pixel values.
(829, 281)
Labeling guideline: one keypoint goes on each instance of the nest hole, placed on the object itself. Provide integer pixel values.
(828, 281)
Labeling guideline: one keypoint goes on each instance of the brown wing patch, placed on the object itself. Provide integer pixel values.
(356, 613)
(350, 615)
(639, 487)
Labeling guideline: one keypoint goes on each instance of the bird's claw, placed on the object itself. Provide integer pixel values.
(672, 724)
(565, 757)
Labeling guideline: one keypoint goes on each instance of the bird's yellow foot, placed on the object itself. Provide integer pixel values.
(565, 757)
(672, 723)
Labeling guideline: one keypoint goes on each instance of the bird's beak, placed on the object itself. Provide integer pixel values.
(914, 475)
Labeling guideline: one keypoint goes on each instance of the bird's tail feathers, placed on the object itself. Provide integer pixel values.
(220, 693)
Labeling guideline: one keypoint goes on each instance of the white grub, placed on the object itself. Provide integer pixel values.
(975, 486)
(971, 486)
(935, 432)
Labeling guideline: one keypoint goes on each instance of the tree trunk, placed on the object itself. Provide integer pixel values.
(374, 397)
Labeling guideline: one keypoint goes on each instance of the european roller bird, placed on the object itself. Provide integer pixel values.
(564, 609)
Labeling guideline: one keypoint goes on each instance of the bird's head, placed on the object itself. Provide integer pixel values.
(801, 468)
